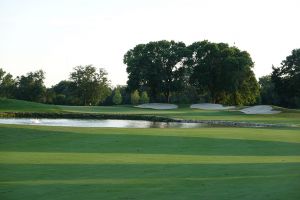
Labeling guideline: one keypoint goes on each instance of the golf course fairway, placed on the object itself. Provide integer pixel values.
(38, 162)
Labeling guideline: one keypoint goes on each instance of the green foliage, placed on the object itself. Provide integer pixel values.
(144, 97)
(135, 97)
(90, 86)
(31, 87)
(7, 84)
(267, 91)
(65, 93)
(156, 67)
(188, 95)
(222, 72)
(117, 98)
(286, 79)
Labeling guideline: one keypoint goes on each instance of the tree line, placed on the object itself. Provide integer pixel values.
(86, 85)
(168, 71)
(215, 72)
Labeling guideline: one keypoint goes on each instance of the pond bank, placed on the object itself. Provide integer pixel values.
(152, 118)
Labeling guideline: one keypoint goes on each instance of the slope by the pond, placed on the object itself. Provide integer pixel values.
(13, 105)
(287, 116)
(93, 163)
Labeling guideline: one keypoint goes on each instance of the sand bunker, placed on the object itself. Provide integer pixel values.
(261, 109)
(158, 106)
(211, 106)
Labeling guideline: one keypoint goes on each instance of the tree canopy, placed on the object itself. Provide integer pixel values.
(91, 87)
(7, 84)
(222, 72)
(31, 86)
(286, 79)
(156, 67)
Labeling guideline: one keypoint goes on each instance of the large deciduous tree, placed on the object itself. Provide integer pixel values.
(224, 73)
(91, 86)
(7, 84)
(156, 67)
(31, 87)
(286, 79)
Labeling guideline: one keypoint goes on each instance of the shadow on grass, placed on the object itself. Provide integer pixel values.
(246, 181)
(31, 140)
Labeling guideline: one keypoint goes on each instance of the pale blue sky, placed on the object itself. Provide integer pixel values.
(57, 35)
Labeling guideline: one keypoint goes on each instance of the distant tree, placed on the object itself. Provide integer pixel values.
(223, 73)
(91, 87)
(31, 87)
(267, 91)
(144, 97)
(286, 79)
(117, 98)
(188, 95)
(156, 67)
(50, 96)
(7, 84)
(65, 93)
(135, 97)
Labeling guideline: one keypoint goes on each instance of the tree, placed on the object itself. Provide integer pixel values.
(135, 97)
(223, 73)
(31, 87)
(65, 93)
(267, 91)
(7, 84)
(144, 97)
(117, 98)
(91, 87)
(286, 79)
(156, 67)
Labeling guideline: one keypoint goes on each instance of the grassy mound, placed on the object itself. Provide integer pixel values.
(13, 105)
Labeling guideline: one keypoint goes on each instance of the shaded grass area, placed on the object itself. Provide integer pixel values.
(287, 117)
(204, 141)
(237, 181)
(96, 163)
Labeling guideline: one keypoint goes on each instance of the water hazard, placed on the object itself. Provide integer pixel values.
(112, 123)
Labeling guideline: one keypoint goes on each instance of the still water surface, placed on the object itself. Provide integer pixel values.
(113, 123)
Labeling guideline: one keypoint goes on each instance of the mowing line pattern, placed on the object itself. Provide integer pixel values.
(95, 163)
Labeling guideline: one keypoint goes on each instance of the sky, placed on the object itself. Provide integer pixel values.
(57, 35)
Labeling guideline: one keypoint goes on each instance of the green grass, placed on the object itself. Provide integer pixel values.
(106, 163)
(287, 117)
(12, 105)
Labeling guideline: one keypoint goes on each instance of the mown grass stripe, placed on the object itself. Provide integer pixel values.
(288, 135)
(131, 158)
(137, 180)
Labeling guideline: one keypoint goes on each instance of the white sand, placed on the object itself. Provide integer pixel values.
(158, 106)
(211, 106)
(261, 109)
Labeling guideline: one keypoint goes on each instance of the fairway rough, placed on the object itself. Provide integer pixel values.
(158, 106)
(211, 106)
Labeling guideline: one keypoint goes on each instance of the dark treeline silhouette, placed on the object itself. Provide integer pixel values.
(171, 71)
(282, 86)
(168, 71)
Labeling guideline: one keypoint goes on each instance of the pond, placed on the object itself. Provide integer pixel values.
(111, 123)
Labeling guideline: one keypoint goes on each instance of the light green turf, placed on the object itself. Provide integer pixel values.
(288, 116)
(106, 163)
(12, 105)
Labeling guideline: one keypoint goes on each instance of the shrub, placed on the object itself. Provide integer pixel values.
(135, 97)
(144, 97)
(117, 98)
